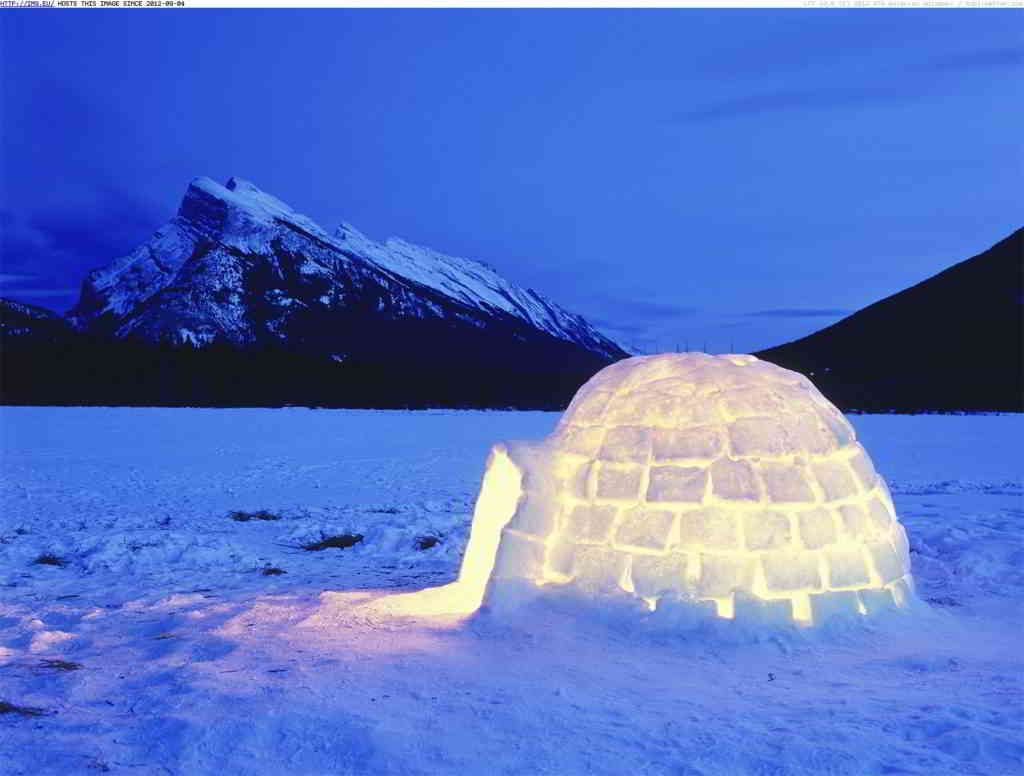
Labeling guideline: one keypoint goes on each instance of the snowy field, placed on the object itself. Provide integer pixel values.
(159, 615)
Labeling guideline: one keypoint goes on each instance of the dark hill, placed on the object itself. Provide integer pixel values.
(952, 342)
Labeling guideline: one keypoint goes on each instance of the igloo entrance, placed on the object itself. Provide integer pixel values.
(724, 482)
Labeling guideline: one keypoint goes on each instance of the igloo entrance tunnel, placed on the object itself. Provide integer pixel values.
(722, 482)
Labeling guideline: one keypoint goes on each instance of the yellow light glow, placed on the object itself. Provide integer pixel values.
(499, 497)
(726, 607)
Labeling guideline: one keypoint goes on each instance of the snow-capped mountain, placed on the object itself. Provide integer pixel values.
(237, 265)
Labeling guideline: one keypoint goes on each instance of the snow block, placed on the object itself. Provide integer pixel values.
(589, 411)
(835, 603)
(886, 494)
(790, 571)
(810, 435)
(621, 483)
(885, 561)
(836, 423)
(626, 444)
(898, 537)
(648, 408)
(584, 441)
(573, 478)
(672, 443)
(655, 575)
(534, 516)
(646, 528)
(876, 601)
(761, 611)
(902, 591)
(518, 556)
(835, 478)
(847, 566)
(683, 613)
(854, 520)
(711, 528)
(698, 413)
(817, 528)
(734, 480)
(677, 484)
(785, 482)
(750, 402)
(767, 530)
(598, 569)
(590, 523)
(759, 436)
(561, 557)
(879, 519)
(862, 468)
(722, 574)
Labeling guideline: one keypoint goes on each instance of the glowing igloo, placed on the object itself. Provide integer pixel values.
(723, 481)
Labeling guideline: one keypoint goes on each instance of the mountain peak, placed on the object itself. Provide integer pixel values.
(213, 208)
(242, 194)
(242, 186)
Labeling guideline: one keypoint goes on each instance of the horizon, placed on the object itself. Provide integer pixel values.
(732, 179)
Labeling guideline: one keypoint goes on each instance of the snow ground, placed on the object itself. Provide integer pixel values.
(161, 647)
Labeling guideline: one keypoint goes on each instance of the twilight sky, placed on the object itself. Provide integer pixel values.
(729, 179)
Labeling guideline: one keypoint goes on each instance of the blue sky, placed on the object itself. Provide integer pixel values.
(729, 179)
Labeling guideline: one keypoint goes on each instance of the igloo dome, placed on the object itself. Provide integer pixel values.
(723, 482)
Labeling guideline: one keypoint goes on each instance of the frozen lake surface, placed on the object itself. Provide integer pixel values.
(155, 641)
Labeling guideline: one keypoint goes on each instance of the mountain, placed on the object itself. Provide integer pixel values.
(21, 322)
(952, 342)
(239, 300)
(238, 265)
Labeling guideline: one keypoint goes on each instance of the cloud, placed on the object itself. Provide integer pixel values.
(15, 293)
(803, 99)
(48, 252)
(66, 241)
(793, 312)
(833, 97)
(55, 228)
(982, 59)
(647, 309)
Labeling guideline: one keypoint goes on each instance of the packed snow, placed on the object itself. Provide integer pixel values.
(159, 615)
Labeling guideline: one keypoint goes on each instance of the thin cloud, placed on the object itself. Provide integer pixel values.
(38, 292)
(649, 310)
(802, 99)
(983, 59)
(58, 232)
(793, 312)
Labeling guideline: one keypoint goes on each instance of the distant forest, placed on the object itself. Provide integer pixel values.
(83, 371)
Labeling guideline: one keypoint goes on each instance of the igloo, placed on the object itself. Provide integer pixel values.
(724, 483)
